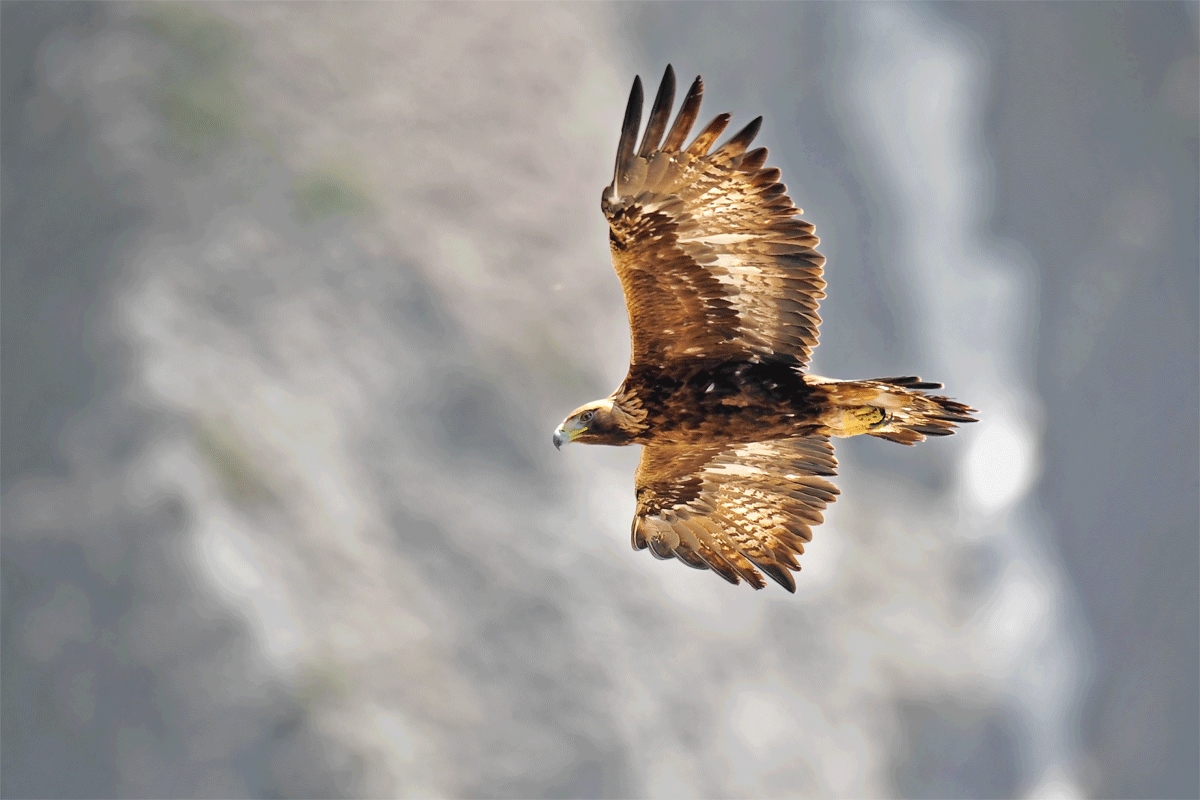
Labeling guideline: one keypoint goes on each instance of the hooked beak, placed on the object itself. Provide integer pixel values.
(567, 432)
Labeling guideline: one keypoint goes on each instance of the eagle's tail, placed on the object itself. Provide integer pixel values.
(896, 409)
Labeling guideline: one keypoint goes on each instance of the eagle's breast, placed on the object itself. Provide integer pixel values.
(723, 401)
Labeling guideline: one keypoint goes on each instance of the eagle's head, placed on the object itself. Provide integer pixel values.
(594, 423)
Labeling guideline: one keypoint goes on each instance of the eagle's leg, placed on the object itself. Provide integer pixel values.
(858, 420)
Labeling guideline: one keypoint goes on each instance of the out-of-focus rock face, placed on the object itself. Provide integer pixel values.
(334, 460)
(1095, 143)
(308, 535)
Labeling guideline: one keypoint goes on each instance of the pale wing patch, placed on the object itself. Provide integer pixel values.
(743, 470)
(720, 238)
(728, 261)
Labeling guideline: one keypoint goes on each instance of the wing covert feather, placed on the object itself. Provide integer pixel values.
(734, 508)
(711, 253)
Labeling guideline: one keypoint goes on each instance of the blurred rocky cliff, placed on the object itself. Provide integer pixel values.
(294, 295)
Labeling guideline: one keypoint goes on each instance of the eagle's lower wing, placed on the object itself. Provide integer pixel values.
(734, 507)
(710, 252)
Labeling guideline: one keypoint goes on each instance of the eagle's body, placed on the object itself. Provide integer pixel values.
(722, 284)
(701, 402)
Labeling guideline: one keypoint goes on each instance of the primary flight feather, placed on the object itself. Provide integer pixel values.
(722, 283)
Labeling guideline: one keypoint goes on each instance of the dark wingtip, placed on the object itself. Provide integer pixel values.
(633, 109)
(686, 117)
(742, 139)
(747, 134)
(780, 574)
(660, 114)
(704, 141)
(629, 129)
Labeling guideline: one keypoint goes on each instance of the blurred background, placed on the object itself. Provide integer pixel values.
(294, 295)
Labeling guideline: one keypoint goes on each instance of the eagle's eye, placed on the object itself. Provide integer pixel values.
(586, 417)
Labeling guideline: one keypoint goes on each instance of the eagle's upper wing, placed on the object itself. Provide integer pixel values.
(712, 257)
(734, 507)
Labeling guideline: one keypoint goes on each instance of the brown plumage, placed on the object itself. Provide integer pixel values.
(722, 283)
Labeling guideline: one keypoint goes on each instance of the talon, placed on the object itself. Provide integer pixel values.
(861, 419)
(870, 416)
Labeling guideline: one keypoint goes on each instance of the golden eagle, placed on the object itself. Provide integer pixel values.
(722, 284)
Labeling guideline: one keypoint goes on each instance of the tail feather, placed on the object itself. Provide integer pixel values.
(909, 415)
(918, 415)
(910, 382)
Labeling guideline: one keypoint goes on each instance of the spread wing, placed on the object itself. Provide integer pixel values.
(734, 507)
(708, 247)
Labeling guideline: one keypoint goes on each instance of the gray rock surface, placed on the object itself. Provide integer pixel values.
(294, 294)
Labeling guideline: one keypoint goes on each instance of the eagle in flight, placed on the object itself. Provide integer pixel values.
(722, 284)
